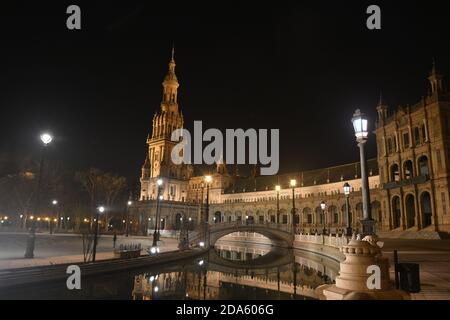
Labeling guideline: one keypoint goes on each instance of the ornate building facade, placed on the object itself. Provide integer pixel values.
(408, 181)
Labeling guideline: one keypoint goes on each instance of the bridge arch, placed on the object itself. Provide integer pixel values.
(280, 235)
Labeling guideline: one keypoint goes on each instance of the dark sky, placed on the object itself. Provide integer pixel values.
(302, 67)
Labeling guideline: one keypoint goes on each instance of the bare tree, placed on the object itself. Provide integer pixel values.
(102, 187)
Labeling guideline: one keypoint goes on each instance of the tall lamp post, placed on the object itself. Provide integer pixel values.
(100, 210)
(360, 124)
(293, 184)
(159, 183)
(127, 218)
(46, 138)
(54, 203)
(278, 188)
(348, 230)
(323, 206)
(208, 180)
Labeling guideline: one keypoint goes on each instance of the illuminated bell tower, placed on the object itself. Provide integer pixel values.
(159, 163)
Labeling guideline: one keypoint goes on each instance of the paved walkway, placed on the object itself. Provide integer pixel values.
(64, 248)
(433, 257)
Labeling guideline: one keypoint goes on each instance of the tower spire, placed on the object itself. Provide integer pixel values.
(382, 109)
(173, 51)
(436, 79)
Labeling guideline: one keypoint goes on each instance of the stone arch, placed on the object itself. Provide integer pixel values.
(228, 216)
(307, 215)
(238, 216)
(410, 209)
(318, 216)
(260, 216)
(333, 215)
(217, 217)
(249, 217)
(272, 215)
(284, 217)
(426, 210)
(396, 212)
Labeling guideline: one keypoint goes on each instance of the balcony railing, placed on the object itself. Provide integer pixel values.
(403, 183)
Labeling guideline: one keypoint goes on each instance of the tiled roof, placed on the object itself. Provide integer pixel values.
(306, 178)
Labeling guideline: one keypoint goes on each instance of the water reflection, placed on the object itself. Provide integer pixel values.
(242, 272)
(227, 272)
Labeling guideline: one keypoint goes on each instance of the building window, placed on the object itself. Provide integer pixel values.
(408, 169)
(390, 145)
(423, 166)
(424, 133)
(416, 136)
(395, 175)
(406, 140)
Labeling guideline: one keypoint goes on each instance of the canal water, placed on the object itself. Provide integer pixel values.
(229, 271)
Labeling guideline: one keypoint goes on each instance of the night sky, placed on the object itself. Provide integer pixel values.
(302, 67)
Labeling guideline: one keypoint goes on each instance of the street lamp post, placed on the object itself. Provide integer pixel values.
(323, 206)
(127, 218)
(360, 124)
(278, 188)
(293, 184)
(100, 210)
(348, 230)
(159, 183)
(46, 138)
(208, 180)
(54, 203)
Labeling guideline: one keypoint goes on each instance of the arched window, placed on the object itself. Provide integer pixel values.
(408, 169)
(396, 211)
(334, 214)
(423, 166)
(410, 211)
(425, 207)
(395, 174)
(307, 215)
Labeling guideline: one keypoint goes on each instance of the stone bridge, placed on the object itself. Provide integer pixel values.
(279, 234)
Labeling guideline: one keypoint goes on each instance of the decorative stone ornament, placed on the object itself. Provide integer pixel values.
(352, 282)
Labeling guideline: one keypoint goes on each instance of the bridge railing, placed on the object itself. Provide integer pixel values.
(332, 241)
(237, 224)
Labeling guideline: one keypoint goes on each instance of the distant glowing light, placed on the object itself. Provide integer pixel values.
(46, 138)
